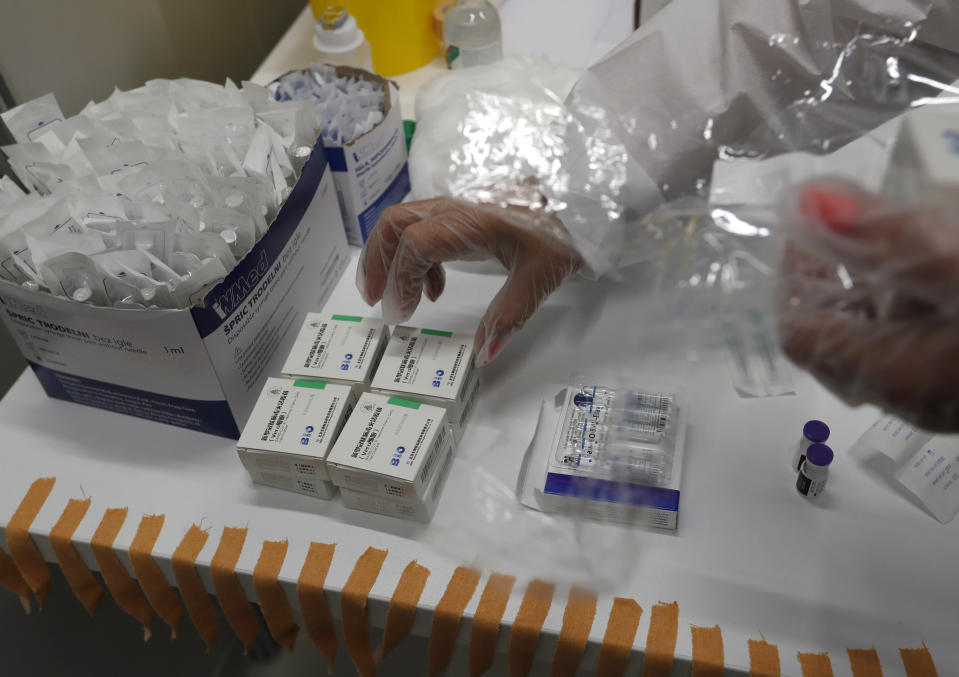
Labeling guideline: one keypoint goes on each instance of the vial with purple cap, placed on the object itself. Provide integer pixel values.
(814, 470)
(814, 432)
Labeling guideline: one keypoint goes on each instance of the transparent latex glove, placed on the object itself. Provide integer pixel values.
(872, 299)
(403, 259)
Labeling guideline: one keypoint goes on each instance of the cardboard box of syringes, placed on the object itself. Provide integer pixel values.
(203, 367)
(370, 172)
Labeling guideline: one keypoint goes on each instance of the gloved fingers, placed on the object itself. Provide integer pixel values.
(528, 285)
(909, 367)
(377, 256)
(807, 283)
(435, 281)
(913, 251)
(447, 236)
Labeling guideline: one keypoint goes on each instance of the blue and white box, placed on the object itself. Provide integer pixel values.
(924, 160)
(371, 172)
(199, 368)
(565, 470)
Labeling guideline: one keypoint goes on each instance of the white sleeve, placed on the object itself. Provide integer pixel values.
(706, 73)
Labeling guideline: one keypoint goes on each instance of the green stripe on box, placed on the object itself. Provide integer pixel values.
(348, 318)
(304, 383)
(437, 332)
(400, 402)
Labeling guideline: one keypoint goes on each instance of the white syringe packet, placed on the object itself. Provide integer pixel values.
(159, 167)
(27, 120)
(77, 277)
(10, 193)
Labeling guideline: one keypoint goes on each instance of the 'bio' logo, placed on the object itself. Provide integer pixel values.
(347, 359)
(438, 378)
(306, 435)
(397, 455)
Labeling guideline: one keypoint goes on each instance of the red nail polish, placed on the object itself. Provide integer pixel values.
(494, 348)
(837, 211)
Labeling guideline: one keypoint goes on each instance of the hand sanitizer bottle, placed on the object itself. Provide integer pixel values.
(473, 34)
(340, 42)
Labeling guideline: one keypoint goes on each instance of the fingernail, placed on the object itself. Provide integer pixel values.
(489, 352)
(837, 211)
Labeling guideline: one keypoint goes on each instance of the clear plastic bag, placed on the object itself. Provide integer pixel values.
(711, 206)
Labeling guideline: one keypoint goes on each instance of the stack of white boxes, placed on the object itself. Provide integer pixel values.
(389, 451)
(392, 457)
(290, 432)
(434, 367)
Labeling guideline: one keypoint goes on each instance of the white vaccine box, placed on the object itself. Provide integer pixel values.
(390, 446)
(293, 426)
(202, 367)
(341, 349)
(296, 483)
(433, 366)
(416, 511)
(924, 162)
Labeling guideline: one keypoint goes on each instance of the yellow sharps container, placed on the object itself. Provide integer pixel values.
(400, 31)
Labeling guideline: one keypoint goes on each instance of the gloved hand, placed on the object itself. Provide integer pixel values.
(404, 254)
(885, 329)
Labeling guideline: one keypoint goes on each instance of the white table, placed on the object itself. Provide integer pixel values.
(861, 568)
(749, 555)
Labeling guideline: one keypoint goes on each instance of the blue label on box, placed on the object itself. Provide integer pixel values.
(208, 416)
(394, 193)
(337, 158)
(575, 486)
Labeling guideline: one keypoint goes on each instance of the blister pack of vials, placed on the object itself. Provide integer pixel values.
(627, 434)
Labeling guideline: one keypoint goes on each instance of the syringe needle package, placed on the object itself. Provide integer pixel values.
(338, 349)
(610, 453)
(432, 366)
(290, 432)
(390, 447)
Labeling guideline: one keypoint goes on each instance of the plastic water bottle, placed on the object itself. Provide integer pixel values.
(473, 34)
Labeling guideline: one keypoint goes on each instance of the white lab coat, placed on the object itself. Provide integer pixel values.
(703, 74)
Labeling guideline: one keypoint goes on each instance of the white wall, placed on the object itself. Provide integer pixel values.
(81, 49)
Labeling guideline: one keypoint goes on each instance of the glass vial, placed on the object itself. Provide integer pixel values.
(814, 470)
(814, 432)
